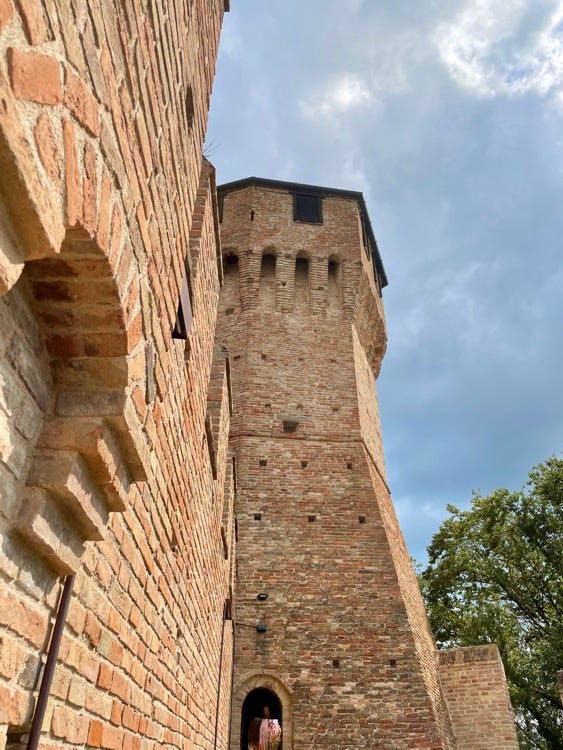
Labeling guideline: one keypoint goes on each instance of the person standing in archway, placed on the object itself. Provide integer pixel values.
(264, 733)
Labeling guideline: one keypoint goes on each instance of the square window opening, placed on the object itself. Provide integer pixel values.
(307, 208)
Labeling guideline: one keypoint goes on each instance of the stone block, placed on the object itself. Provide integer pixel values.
(81, 103)
(35, 77)
(65, 475)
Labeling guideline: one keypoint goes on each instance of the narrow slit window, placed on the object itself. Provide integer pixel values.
(211, 446)
(184, 315)
(334, 287)
(268, 279)
(231, 285)
(301, 302)
(190, 109)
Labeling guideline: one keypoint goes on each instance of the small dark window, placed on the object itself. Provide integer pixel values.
(263, 462)
(362, 519)
(181, 328)
(336, 663)
(289, 425)
(210, 446)
(190, 109)
(257, 516)
(307, 208)
(312, 519)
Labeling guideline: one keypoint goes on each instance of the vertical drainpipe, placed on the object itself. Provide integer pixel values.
(50, 664)
(232, 683)
(218, 706)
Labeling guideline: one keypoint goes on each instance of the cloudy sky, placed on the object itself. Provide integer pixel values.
(448, 115)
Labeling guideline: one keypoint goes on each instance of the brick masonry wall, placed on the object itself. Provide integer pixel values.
(106, 466)
(477, 697)
(352, 665)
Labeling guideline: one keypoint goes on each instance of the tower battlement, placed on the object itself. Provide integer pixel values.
(303, 250)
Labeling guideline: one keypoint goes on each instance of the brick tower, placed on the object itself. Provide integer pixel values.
(330, 628)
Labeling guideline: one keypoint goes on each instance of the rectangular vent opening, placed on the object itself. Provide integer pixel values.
(257, 516)
(312, 519)
(304, 464)
(362, 519)
(290, 425)
(263, 462)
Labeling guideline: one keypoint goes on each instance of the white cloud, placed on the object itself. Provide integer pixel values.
(344, 93)
(505, 47)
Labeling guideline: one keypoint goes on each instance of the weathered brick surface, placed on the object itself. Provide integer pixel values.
(101, 171)
(346, 633)
(474, 685)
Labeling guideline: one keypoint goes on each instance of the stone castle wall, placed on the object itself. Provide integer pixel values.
(113, 435)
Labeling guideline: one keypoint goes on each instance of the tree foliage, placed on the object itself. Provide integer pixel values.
(495, 574)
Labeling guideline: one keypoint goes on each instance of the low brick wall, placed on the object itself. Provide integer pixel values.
(474, 685)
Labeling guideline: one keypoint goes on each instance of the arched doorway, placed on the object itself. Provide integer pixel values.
(253, 707)
(256, 680)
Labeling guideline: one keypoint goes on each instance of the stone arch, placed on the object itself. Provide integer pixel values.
(75, 258)
(91, 447)
(270, 250)
(25, 202)
(250, 681)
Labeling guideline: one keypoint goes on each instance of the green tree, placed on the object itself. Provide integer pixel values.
(495, 574)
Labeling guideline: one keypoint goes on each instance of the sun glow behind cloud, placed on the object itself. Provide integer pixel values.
(344, 93)
(503, 47)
